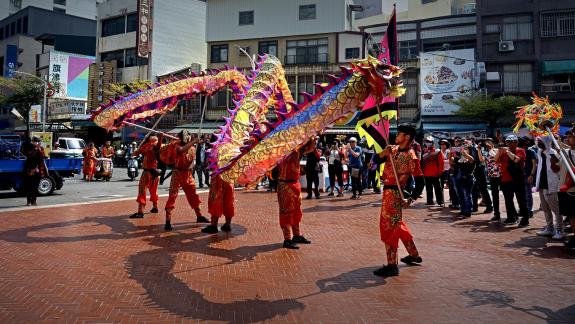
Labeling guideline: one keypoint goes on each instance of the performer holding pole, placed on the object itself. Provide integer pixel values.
(400, 163)
(150, 177)
(182, 176)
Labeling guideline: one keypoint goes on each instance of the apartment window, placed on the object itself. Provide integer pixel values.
(558, 23)
(132, 58)
(59, 10)
(407, 50)
(517, 28)
(113, 26)
(219, 53)
(308, 51)
(25, 25)
(268, 47)
(60, 2)
(16, 4)
(351, 53)
(517, 78)
(492, 28)
(115, 55)
(246, 18)
(307, 12)
(132, 22)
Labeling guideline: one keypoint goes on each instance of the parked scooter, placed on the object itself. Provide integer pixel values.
(120, 156)
(132, 168)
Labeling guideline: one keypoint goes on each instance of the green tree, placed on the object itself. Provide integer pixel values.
(123, 89)
(21, 94)
(488, 109)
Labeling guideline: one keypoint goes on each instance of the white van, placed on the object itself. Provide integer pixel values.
(72, 145)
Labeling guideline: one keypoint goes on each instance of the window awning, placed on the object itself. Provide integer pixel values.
(454, 127)
(558, 67)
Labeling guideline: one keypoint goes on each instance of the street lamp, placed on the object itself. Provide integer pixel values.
(45, 97)
(248, 55)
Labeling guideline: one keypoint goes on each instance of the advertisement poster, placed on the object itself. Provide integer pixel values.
(69, 75)
(10, 61)
(65, 109)
(35, 114)
(444, 76)
(46, 141)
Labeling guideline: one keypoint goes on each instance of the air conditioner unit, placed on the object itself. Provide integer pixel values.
(469, 8)
(506, 46)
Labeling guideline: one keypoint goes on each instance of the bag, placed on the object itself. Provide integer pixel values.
(355, 172)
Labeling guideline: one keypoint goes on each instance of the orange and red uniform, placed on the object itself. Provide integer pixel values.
(289, 195)
(108, 152)
(150, 177)
(391, 225)
(89, 161)
(182, 176)
(221, 200)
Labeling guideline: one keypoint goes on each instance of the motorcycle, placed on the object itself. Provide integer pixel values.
(120, 157)
(132, 168)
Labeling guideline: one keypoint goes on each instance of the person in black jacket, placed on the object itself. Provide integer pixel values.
(312, 172)
(34, 169)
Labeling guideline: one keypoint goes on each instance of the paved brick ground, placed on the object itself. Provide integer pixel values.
(93, 264)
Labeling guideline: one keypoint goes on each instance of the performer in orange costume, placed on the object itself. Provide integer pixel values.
(220, 202)
(150, 177)
(107, 150)
(289, 197)
(391, 226)
(182, 176)
(89, 161)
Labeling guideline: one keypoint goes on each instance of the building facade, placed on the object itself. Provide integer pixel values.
(177, 40)
(311, 39)
(527, 46)
(79, 8)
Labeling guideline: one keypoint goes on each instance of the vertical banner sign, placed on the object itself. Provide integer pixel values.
(10, 61)
(144, 28)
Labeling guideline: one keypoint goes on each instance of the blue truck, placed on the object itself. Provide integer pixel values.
(60, 166)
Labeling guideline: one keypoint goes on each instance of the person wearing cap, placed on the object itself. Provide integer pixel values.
(89, 162)
(34, 169)
(150, 177)
(512, 162)
(432, 164)
(289, 197)
(355, 164)
(391, 225)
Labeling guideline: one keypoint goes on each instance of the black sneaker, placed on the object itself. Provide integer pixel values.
(289, 244)
(202, 219)
(353, 197)
(300, 239)
(488, 210)
(411, 260)
(389, 270)
(154, 210)
(452, 206)
(340, 194)
(330, 194)
(210, 229)
(168, 226)
(226, 228)
(524, 222)
(496, 218)
(510, 220)
(137, 215)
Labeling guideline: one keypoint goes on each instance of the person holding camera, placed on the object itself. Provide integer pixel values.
(511, 159)
(355, 163)
(432, 163)
(335, 168)
(494, 174)
(465, 178)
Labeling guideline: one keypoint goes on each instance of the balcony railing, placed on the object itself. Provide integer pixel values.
(306, 59)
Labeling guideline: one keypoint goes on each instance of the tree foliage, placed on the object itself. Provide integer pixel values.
(21, 94)
(488, 109)
(124, 89)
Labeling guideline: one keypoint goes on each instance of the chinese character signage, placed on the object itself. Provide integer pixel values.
(65, 109)
(444, 76)
(144, 28)
(10, 61)
(69, 75)
(101, 76)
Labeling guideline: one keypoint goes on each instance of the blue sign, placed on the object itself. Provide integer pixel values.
(10, 61)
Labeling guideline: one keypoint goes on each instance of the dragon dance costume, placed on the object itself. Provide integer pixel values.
(150, 177)
(220, 202)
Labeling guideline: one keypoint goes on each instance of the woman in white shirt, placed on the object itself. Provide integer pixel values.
(335, 169)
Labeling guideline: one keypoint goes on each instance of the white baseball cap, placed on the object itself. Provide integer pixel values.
(353, 139)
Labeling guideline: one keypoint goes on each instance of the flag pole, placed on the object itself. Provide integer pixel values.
(386, 131)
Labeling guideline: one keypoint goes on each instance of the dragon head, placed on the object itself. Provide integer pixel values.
(384, 79)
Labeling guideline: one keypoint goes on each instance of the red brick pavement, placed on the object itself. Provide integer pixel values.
(93, 264)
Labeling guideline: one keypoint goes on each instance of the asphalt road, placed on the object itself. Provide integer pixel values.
(76, 190)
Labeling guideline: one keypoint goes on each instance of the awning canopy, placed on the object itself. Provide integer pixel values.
(558, 67)
(452, 127)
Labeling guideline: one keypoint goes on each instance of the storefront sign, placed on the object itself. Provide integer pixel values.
(144, 28)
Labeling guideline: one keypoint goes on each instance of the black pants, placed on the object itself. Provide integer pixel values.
(481, 188)
(433, 183)
(335, 171)
(514, 188)
(495, 183)
(30, 184)
(356, 185)
(372, 181)
(201, 171)
(312, 178)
